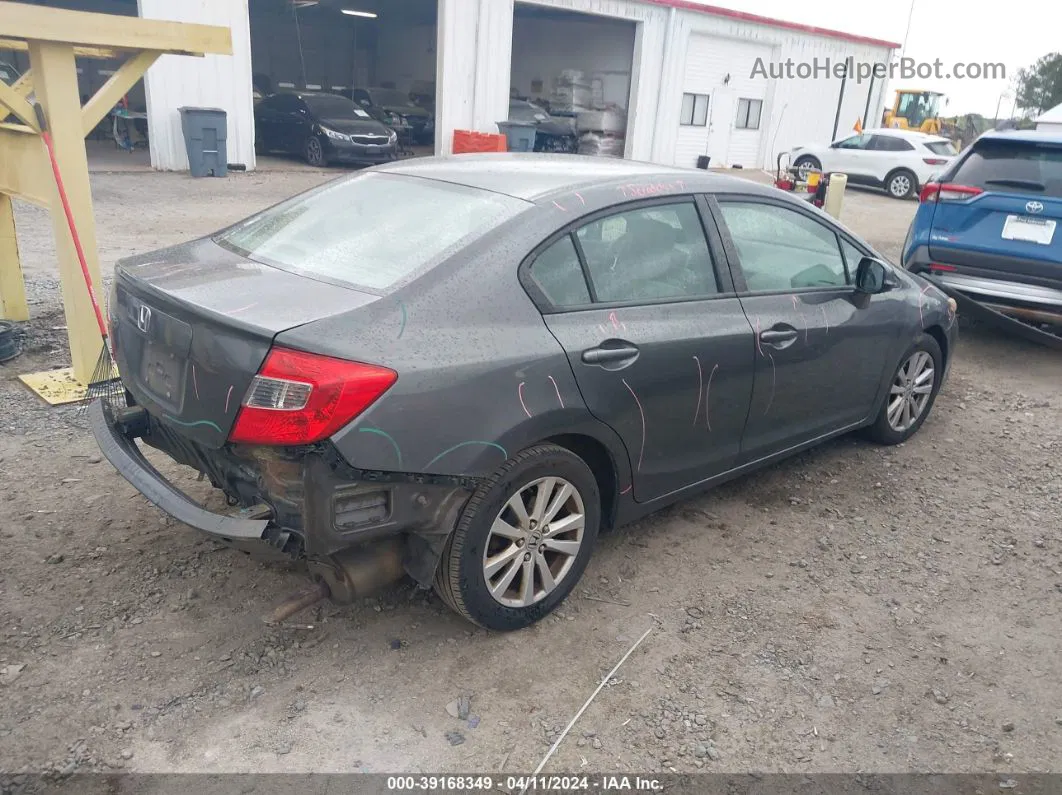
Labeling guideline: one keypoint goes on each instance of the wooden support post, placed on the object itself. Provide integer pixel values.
(55, 82)
(12, 290)
(115, 88)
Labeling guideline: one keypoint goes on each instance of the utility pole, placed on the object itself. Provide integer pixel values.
(910, 15)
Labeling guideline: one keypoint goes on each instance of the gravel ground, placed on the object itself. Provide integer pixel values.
(856, 608)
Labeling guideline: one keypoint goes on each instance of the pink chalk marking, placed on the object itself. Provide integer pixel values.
(700, 387)
(241, 309)
(195, 383)
(520, 394)
(626, 490)
(822, 307)
(227, 398)
(616, 322)
(557, 390)
(707, 392)
(759, 346)
(803, 319)
(770, 400)
(559, 207)
(641, 412)
(577, 193)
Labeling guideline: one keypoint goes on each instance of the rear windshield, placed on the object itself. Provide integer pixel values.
(326, 106)
(1013, 167)
(943, 148)
(372, 230)
(390, 96)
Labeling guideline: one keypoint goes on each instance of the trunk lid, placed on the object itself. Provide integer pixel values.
(192, 324)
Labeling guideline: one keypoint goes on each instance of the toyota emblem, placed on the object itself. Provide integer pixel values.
(1034, 207)
(143, 318)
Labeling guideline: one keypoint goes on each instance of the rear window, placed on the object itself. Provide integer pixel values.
(1013, 167)
(942, 148)
(370, 231)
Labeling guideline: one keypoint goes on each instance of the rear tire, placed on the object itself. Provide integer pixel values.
(902, 184)
(909, 382)
(484, 574)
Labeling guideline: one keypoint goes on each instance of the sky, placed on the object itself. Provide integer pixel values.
(992, 32)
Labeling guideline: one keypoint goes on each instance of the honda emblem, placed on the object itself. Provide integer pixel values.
(143, 318)
(1034, 207)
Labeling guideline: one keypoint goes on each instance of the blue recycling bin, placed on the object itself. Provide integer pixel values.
(205, 132)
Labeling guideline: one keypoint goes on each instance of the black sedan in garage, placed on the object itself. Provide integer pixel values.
(467, 367)
(323, 129)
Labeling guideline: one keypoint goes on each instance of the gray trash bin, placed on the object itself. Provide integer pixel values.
(205, 131)
(519, 134)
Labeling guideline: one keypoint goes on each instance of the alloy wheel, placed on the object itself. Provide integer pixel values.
(314, 153)
(900, 186)
(910, 391)
(534, 542)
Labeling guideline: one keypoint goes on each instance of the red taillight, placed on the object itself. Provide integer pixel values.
(936, 192)
(935, 161)
(300, 398)
(936, 266)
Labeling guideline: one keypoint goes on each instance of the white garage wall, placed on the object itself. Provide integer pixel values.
(795, 111)
(542, 47)
(214, 81)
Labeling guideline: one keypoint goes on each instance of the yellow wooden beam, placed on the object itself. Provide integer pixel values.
(12, 289)
(86, 29)
(17, 104)
(114, 89)
(103, 53)
(57, 89)
(24, 84)
(24, 169)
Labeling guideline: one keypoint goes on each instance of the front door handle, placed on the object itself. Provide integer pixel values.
(779, 337)
(623, 353)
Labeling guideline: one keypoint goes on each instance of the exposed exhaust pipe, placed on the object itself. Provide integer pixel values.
(345, 576)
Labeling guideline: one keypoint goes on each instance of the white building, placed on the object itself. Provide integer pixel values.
(690, 77)
(1050, 120)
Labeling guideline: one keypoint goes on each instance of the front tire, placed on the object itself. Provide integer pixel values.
(902, 184)
(805, 164)
(912, 392)
(313, 152)
(523, 541)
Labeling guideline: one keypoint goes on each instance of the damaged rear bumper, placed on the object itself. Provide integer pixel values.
(298, 503)
(126, 457)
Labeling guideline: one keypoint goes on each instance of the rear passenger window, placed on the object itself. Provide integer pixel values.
(649, 254)
(781, 249)
(559, 276)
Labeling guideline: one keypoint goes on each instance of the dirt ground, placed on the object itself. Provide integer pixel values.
(856, 608)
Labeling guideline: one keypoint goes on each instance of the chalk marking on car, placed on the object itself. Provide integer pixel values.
(626, 490)
(825, 317)
(520, 394)
(803, 319)
(449, 450)
(559, 206)
(641, 412)
(228, 397)
(402, 327)
(557, 390)
(577, 193)
(707, 392)
(195, 383)
(195, 424)
(700, 387)
(388, 437)
(759, 345)
(770, 398)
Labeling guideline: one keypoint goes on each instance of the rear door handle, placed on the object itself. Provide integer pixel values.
(778, 335)
(602, 355)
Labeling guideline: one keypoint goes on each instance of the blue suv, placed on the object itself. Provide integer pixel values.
(987, 226)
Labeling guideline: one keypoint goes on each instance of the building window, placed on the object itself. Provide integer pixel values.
(694, 110)
(748, 115)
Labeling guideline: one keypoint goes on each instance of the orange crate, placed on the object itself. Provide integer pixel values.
(468, 141)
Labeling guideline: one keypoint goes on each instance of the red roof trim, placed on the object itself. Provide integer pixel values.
(778, 23)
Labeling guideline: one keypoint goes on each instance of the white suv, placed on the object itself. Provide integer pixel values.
(900, 161)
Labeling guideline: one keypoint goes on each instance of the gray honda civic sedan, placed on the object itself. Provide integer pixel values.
(466, 368)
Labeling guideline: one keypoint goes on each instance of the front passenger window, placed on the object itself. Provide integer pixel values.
(781, 249)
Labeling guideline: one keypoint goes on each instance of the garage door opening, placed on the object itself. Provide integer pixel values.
(571, 80)
(120, 142)
(379, 54)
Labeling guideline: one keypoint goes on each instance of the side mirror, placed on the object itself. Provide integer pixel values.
(871, 276)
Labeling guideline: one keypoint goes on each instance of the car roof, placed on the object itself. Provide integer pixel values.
(1026, 136)
(895, 132)
(536, 176)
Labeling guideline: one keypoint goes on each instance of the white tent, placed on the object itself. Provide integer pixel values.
(1050, 120)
